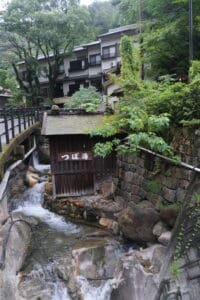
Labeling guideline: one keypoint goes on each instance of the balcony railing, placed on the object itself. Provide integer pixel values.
(108, 55)
(95, 64)
(77, 69)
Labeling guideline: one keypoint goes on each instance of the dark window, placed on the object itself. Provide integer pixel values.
(95, 60)
(78, 65)
(109, 52)
(58, 90)
(73, 88)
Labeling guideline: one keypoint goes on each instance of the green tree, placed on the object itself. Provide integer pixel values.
(167, 41)
(102, 16)
(132, 118)
(165, 37)
(41, 27)
(87, 98)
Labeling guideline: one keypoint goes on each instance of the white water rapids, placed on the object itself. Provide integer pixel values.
(30, 204)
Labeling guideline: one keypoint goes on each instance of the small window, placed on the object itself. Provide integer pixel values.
(108, 52)
(95, 59)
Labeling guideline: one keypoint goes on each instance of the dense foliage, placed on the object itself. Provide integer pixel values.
(87, 98)
(148, 108)
(165, 26)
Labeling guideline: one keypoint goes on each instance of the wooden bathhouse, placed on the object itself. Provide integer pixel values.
(75, 169)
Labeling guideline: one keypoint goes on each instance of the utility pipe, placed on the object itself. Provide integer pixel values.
(171, 160)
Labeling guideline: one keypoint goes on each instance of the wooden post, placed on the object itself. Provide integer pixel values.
(6, 126)
(24, 117)
(32, 115)
(12, 123)
(29, 121)
(38, 115)
(0, 144)
(19, 120)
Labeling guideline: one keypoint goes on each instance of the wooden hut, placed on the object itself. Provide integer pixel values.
(75, 169)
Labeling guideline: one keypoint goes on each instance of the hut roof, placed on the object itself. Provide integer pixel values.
(70, 124)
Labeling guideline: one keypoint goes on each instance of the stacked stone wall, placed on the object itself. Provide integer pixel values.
(146, 177)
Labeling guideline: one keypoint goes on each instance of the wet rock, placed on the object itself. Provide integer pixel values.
(31, 169)
(64, 268)
(107, 188)
(31, 179)
(165, 238)
(137, 274)
(48, 188)
(108, 206)
(17, 187)
(168, 215)
(136, 223)
(90, 215)
(109, 224)
(95, 258)
(16, 252)
(159, 228)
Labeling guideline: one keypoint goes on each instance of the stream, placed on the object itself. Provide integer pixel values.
(52, 241)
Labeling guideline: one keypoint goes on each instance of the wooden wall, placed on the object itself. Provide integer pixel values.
(74, 167)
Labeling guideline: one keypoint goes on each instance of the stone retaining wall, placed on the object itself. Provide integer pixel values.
(146, 177)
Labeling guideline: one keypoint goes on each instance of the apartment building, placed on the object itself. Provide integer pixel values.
(88, 65)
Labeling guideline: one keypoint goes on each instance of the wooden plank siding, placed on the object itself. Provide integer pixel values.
(77, 177)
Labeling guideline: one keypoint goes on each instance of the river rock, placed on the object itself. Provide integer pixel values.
(136, 222)
(16, 252)
(109, 224)
(138, 273)
(31, 179)
(168, 215)
(16, 187)
(31, 169)
(165, 238)
(159, 228)
(48, 188)
(95, 258)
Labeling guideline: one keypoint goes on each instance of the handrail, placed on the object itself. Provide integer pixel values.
(14, 120)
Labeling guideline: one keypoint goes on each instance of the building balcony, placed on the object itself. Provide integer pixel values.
(95, 64)
(108, 55)
(71, 70)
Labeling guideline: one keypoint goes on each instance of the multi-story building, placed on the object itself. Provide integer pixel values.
(88, 65)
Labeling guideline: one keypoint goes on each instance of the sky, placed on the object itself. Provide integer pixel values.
(83, 2)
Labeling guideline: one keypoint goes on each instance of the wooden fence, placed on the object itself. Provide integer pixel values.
(13, 121)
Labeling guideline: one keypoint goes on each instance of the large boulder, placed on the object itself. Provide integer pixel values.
(95, 258)
(168, 215)
(137, 222)
(137, 275)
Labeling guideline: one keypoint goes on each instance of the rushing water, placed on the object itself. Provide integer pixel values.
(43, 168)
(52, 239)
(30, 204)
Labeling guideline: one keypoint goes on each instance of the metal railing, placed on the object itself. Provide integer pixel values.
(13, 121)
